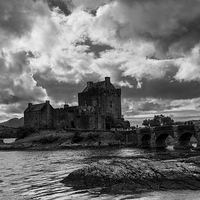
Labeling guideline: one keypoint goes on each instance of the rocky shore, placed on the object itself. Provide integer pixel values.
(52, 140)
(137, 175)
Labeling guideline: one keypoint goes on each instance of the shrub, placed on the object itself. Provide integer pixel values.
(23, 132)
(48, 139)
(93, 136)
(77, 137)
(7, 133)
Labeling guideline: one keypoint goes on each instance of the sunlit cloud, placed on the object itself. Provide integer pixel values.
(50, 49)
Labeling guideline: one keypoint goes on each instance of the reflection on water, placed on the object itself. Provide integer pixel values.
(36, 175)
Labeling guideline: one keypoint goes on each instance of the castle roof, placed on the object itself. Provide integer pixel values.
(102, 84)
(35, 107)
(95, 85)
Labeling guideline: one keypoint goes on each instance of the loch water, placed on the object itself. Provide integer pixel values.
(36, 175)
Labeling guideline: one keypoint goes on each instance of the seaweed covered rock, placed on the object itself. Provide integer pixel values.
(127, 175)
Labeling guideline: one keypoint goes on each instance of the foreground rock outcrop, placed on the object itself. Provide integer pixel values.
(128, 175)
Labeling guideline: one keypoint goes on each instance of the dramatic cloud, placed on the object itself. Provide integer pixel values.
(90, 4)
(16, 83)
(150, 48)
(17, 18)
(64, 7)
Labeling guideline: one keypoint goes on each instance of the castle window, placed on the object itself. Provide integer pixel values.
(111, 104)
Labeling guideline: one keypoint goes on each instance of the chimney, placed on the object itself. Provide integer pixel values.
(107, 79)
(47, 102)
(89, 83)
(29, 105)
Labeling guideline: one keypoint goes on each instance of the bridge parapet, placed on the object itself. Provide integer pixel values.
(197, 132)
(144, 130)
(163, 128)
(186, 127)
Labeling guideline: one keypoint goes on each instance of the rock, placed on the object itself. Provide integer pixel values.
(126, 175)
(1, 141)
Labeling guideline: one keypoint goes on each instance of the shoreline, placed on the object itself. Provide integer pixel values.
(61, 139)
(155, 170)
(56, 140)
(56, 146)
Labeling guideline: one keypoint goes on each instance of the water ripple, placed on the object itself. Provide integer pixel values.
(36, 175)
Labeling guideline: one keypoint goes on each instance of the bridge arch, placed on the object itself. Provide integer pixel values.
(161, 137)
(146, 140)
(184, 139)
(161, 140)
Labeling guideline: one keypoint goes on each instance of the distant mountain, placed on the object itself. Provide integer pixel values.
(14, 123)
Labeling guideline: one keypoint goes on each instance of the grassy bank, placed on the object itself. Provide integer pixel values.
(61, 139)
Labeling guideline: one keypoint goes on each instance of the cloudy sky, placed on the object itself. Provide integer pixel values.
(49, 49)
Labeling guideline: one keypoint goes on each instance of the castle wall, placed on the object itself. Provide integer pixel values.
(106, 100)
(39, 118)
(43, 118)
(32, 119)
(84, 98)
(61, 118)
(71, 117)
(84, 121)
(112, 103)
(47, 117)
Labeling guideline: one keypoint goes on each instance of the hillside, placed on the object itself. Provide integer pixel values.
(14, 123)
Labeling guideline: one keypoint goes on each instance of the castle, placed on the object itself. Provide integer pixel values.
(97, 103)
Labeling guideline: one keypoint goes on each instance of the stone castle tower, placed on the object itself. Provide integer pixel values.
(103, 96)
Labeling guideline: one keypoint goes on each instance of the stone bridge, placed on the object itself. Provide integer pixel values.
(156, 136)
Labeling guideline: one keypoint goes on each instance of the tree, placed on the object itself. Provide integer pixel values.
(158, 120)
(127, 124)
(118, 123)
(23, 132)
(167, 120)
(146, 122)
